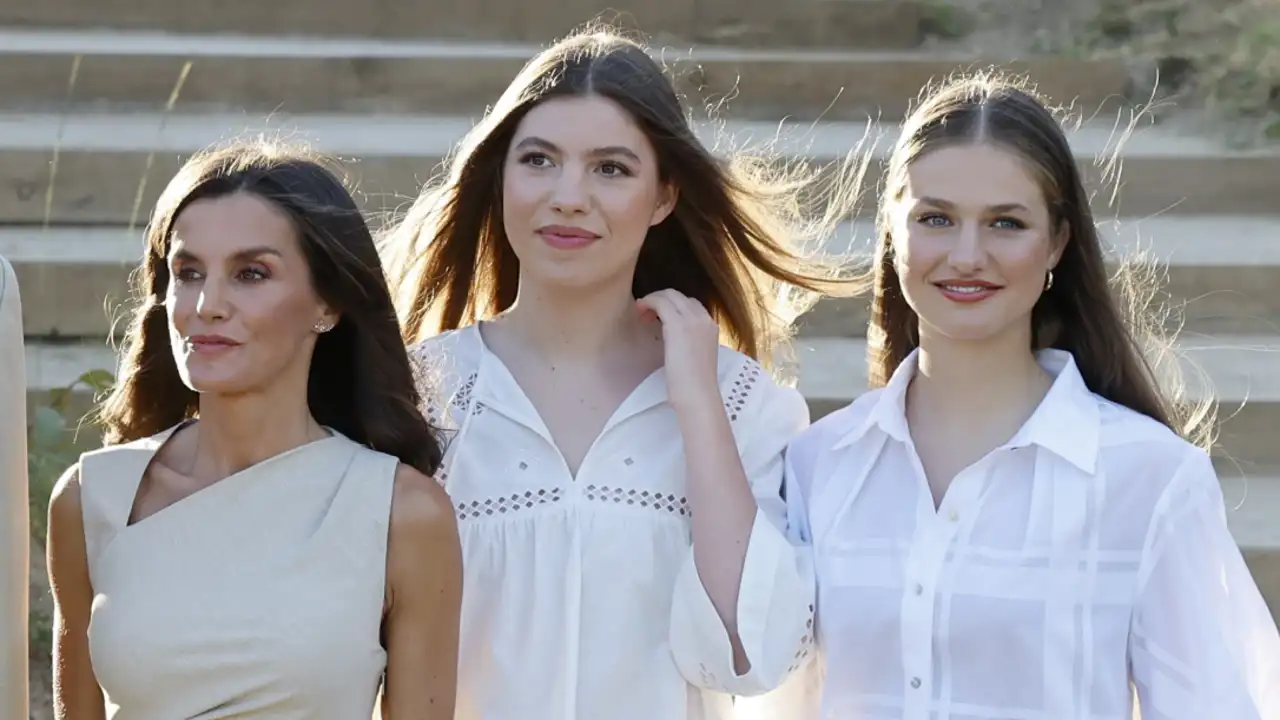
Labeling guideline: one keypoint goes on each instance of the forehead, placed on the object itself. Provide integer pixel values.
(230, 223)
(582, 124)
(973, 175)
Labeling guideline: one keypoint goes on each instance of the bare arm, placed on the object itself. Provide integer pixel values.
(424, 577)
(76, 693)
(724, 510)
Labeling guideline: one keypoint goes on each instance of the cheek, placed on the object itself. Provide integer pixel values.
(1023, 262)
(917, 254)
(629, 209)
(278, 314)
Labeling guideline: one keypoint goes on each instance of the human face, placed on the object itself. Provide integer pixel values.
(974, 242)
(242, 311)
(580, 191)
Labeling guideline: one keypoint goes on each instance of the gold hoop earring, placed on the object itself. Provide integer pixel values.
(1048, 281)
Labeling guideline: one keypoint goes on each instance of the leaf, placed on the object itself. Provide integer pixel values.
(48, 429)
(99, 381)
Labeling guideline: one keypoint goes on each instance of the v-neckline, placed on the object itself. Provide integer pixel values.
(211, 488)
(642, 397)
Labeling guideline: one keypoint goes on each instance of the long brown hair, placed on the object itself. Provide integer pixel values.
(360, 381)
(1109, 324)
(735, 240)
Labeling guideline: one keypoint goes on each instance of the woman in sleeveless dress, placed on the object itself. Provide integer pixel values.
(262, 536)
(1015, 522)
(616, 471)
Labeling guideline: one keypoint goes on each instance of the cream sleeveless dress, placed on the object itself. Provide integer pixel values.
(260, 596)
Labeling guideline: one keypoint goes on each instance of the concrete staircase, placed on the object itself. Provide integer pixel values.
(115, 110)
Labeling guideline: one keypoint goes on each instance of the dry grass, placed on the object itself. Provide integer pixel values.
(1219, 57)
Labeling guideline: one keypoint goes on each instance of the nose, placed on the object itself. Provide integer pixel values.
(570, 195)
(211, 303)
(968, 253)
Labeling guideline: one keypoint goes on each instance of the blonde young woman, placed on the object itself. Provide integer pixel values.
(1014, 522)
(616, 470)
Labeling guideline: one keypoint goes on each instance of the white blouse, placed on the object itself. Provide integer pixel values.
(1085, 561)
(581, 600)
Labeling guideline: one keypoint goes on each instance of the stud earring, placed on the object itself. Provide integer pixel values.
(321, 327)
(1048, 281)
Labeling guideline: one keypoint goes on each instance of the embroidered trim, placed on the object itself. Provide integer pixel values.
(526, 500)
(668, 503)
(741, 389)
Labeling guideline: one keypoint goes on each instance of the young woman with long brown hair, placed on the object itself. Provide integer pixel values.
(262, 537)
(615, 469)
(1015, 522)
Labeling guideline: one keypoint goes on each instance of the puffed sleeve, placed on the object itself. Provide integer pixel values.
(776, 596)
(1202, 642)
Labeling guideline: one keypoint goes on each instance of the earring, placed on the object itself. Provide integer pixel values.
(1048, 281)
(321, 327)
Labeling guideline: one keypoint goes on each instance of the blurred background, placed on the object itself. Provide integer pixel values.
(101, 100)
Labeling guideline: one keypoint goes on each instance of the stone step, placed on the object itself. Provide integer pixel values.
(860, 23)
(1243, 372)
(139, 71)
(1229, 285)
(102, 160)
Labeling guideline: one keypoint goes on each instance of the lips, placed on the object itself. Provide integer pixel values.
(967, 291)
(211, 343)
(565, 237)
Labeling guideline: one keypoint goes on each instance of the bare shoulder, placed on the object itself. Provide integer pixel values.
(64, 500)
(421, 511)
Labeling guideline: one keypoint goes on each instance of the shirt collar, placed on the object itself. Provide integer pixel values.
(1067, 422)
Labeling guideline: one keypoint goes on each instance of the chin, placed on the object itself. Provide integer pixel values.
(573, 278)
(215, 381)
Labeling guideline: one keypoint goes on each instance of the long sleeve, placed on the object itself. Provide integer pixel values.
(1203, 644)
(799, 695)
(776, 596)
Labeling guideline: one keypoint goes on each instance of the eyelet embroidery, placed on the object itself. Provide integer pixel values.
(746, 381)
(669, 503)
(806, 643)
(516, 502)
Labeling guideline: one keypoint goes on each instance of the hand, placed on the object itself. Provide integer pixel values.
(691, 342)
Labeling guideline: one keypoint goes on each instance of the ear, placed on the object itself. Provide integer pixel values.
(327, 318)
(1059, 243)
(668, 194)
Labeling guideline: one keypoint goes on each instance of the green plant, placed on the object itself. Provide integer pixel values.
(1221, 55)
(51, 442)
(51, 449)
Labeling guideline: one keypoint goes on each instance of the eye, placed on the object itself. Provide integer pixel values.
(933, 220)
(252, 274)
(535, 159)
(613, 169)
(1008, 223)
(186, 274)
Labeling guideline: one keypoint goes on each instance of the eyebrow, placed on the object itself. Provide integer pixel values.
(240, 256)
(947, 205)
(607, 151)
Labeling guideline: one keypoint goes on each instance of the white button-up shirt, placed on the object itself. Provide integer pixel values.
(581, 600)
(1083, 562)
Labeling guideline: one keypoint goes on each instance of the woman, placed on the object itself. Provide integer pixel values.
(262, 537)
(1015, 522)
(615, 471)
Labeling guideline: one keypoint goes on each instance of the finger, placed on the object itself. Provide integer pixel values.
(662, 306)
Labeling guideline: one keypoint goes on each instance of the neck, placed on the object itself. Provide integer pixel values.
(236, 432)
(997, 376)
(575, 323)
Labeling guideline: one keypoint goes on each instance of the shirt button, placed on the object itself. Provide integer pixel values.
(915, 683)
(954, 516)
(919, 589)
